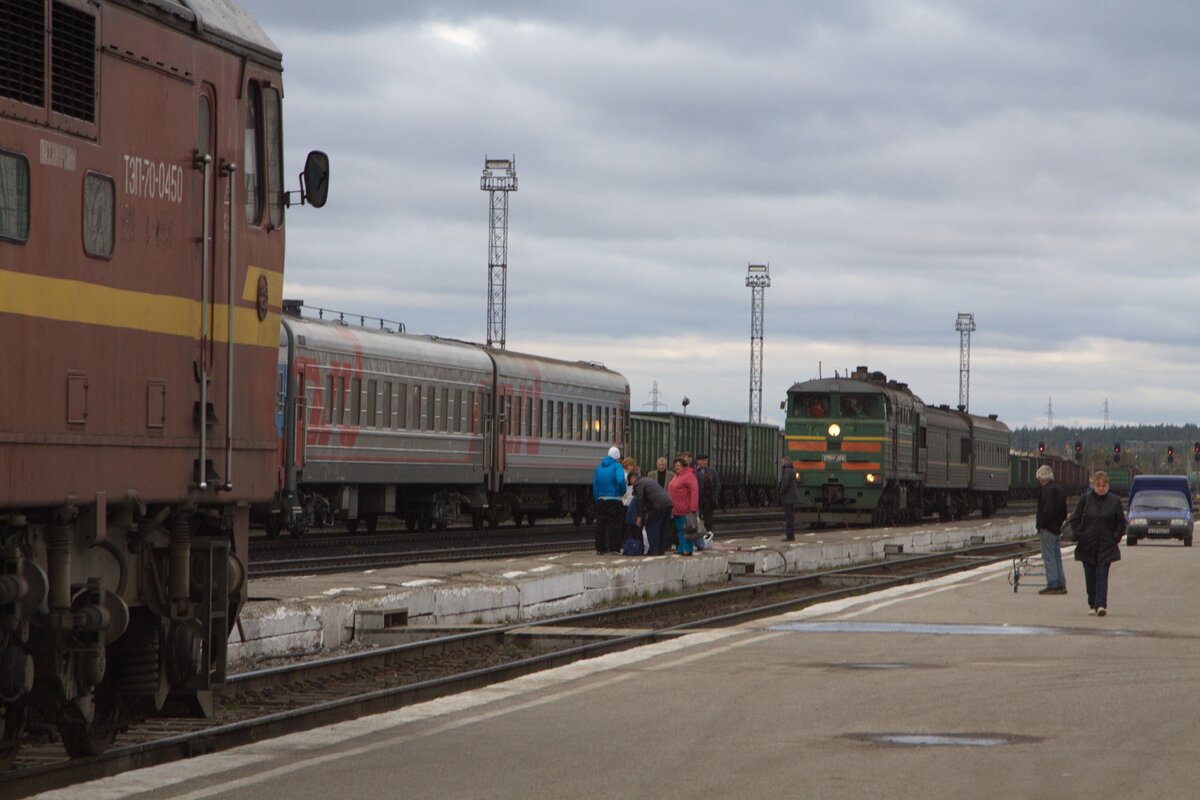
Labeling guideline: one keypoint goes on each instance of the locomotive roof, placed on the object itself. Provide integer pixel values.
(854, 384)
(223, 21)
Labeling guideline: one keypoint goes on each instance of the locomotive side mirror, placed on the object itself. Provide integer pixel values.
(314, 181)
(314, 186)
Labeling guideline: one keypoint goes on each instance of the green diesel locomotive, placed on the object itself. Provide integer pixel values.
(867, 451)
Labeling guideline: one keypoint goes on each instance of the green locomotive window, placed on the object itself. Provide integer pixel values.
(861, 406)
(811, 404)
(14, 197)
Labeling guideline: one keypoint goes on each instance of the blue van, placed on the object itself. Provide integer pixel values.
(1160, 507)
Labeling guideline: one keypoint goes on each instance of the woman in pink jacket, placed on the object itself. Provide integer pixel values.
(686, 496)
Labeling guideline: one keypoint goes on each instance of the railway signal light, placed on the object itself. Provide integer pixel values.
(1196, 452)
(1078, 451)
(1041, 448)
(1170, 454)
(1117, 452)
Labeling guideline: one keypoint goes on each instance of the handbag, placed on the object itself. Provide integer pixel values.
(693, 527)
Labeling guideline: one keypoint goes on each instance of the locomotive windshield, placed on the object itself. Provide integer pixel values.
(811, 404)
(860, 406)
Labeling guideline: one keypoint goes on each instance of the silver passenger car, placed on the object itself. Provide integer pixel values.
(377, 423)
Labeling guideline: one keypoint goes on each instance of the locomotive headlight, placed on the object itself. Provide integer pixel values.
(870, 477)
(835, 430)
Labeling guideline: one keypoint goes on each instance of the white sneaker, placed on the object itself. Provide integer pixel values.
(708, 537)
(1091, 612)
(1100, 612)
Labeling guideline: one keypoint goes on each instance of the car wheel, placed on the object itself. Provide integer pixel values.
(1129, 540)
(1187, 540)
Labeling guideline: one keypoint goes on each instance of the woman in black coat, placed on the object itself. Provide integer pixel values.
(1099, 523)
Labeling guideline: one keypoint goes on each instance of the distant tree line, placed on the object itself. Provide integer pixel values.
(1146, 445)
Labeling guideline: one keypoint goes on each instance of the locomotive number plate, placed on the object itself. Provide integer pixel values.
(833, 458)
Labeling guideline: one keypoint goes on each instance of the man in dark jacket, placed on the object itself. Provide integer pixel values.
(1051, 514)
(787, 497)
(709, 483)
(1099, 522)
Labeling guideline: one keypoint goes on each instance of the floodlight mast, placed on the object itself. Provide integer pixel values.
(499, 178)
(758, 278)
(965, 324)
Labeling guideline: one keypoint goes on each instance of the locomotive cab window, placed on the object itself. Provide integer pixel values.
(252, 157)
(862, 406)
(99, 202)
(274, 136)
(14, 197)
(812, 404)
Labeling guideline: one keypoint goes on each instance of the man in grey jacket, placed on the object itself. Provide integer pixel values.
(654, 513)
(787, 497)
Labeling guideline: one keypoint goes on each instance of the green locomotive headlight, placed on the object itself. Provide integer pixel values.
(835, 430)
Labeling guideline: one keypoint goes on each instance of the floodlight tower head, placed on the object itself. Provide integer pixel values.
(965, 323)
(758, 276)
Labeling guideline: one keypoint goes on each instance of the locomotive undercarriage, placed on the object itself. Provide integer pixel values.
(111, 613)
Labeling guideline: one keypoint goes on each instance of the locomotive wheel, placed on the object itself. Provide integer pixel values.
(81, 738)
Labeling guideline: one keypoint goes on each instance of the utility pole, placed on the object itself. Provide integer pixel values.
(656, 403)
(758, 278)
(499, 178)
(965, 324)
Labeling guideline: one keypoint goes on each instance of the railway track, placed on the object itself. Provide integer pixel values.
(302, 696)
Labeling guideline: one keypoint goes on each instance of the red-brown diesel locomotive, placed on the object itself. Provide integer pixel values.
(141, 273)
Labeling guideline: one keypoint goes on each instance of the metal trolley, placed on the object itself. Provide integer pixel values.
(1023, 566)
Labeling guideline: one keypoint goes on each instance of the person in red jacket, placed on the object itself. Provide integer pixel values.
(685, 497)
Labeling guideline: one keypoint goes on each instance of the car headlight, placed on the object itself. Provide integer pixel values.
(1138, 521)
(1178, 521)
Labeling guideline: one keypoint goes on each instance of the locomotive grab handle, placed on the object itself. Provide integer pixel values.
(203, 161)
(230, 170)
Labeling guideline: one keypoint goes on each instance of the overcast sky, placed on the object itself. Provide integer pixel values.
(1034, 162)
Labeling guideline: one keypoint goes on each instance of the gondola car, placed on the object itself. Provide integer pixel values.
(141, 266)
(373, 422)
(868, 451)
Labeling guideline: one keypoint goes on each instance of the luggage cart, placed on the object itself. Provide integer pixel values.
(1023, 566)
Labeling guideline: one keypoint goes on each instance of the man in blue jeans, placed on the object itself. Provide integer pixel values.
(608, 487)
(1051, 514)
